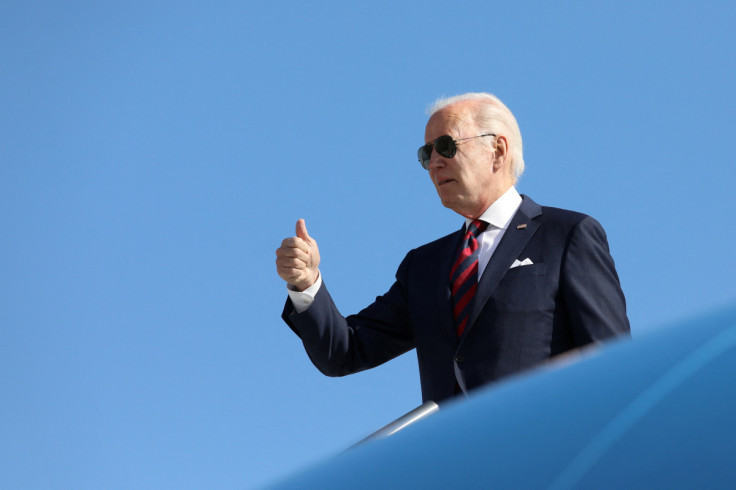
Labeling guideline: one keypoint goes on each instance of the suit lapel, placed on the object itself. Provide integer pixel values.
(445, 293)
(517, 235)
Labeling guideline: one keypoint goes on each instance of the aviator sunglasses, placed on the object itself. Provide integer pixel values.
(444, 145)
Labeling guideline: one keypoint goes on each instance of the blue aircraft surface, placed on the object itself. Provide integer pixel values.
(657, 411)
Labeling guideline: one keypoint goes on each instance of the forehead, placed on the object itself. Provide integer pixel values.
(452, 120)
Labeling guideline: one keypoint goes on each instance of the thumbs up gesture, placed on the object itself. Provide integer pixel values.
(297, 259)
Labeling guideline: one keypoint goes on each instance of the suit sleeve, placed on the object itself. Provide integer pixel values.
(339, 345)
(590, 286)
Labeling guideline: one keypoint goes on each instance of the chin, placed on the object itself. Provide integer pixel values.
(452, 206)
(446, 202)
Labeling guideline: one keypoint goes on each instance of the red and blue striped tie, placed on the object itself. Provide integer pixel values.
(464, 275)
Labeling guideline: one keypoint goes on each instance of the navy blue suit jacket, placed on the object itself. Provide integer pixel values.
(569, 297)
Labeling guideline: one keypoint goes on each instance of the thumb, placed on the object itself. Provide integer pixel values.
(301, 230)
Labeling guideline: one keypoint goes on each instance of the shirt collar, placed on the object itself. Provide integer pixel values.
(503, 209)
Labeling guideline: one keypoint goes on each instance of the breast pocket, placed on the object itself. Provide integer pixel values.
(522, 288)
(531, 269)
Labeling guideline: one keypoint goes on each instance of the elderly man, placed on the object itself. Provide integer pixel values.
(517, 285)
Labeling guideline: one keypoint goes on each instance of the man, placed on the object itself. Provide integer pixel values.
(520, 283)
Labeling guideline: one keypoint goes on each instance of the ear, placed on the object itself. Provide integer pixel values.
(501, 155)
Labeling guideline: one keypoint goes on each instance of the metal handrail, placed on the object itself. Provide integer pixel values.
(425, 409)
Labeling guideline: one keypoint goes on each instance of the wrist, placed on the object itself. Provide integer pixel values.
(304, 285)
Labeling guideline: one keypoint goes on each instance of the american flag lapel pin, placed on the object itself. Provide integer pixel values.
(521, 226)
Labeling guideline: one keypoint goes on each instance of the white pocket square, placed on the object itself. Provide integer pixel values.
(518, 263)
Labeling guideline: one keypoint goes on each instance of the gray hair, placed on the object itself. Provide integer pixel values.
(493, 117)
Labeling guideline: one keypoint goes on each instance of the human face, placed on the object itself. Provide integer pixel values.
(472, 180)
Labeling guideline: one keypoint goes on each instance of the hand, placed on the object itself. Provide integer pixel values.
(297, 259)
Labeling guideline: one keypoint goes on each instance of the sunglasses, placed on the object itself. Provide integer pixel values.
(444, 145)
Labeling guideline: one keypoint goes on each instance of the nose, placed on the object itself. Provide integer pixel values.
(436, 160)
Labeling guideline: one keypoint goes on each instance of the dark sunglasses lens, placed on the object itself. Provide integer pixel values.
(424, 153)
(445, 146)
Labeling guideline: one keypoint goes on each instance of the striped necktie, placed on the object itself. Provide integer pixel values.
(464, 275)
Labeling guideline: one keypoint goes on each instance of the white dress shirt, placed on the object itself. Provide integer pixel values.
(304, 299)
(498, 216)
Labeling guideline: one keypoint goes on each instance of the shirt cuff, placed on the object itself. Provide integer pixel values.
(304, 299)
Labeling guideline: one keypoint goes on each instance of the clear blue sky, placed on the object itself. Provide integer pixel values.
(154, 154)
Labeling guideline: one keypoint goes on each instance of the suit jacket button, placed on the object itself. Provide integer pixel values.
(459, 358)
